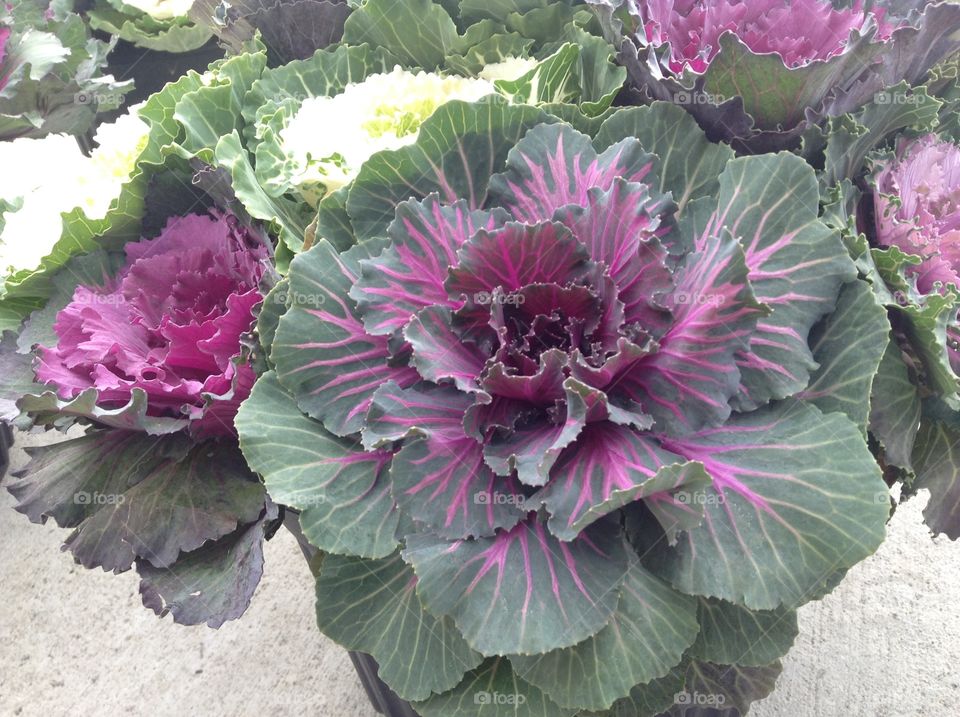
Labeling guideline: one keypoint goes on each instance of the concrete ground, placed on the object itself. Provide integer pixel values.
(78, 642)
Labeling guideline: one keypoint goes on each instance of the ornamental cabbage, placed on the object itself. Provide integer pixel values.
(692, 29)
(162, 25)
(913, 219)
(169, 325)
(330, 137)
(40, 196)
(567, 387)
(753, 73)
(917, 208)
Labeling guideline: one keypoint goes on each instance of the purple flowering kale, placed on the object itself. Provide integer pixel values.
(917, 207)
(913, 218)
(754, 74)
(564, 386)
(168, 325)
(692, 28)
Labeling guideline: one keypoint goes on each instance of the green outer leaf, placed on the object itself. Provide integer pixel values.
(343, 493)
(798, 496)
(601, 79)
(850, 138)
(774, 95)
(48, 409)
(133, 496)
(372, 606)
(732, 687)
(474, 10)
(895, 409)
(554, 80)
(492, 690)
(273, 307)
(927, 317)
(535, 594)
(797, 265)
(690, 165)
(458, 148)
(848, 346)
(289, 217)
(731, 634)
(489, 50)
(17, 371)
(172, 36)
(419, 33)
(650, 630)
(212, 584)
(936, 460)
(213, 110)
(648, 699)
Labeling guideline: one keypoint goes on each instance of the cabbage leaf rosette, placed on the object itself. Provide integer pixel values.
(573, 404)
(148, 356)
(756, 73)
(308, 126)
(913, 217)
(140, 344)
(163, 25)
(47, 217)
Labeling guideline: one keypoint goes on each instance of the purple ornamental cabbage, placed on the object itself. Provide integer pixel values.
(168, 324)
(917, 208)
(693, 28)
(565, 365)
(916, 211)
(758, 73)
(916, 205)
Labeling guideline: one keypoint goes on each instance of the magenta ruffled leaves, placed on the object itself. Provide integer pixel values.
(753, 74)
(515, 257)
(617, 225)
(165, 332)
(571, 359)
(916, 204)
